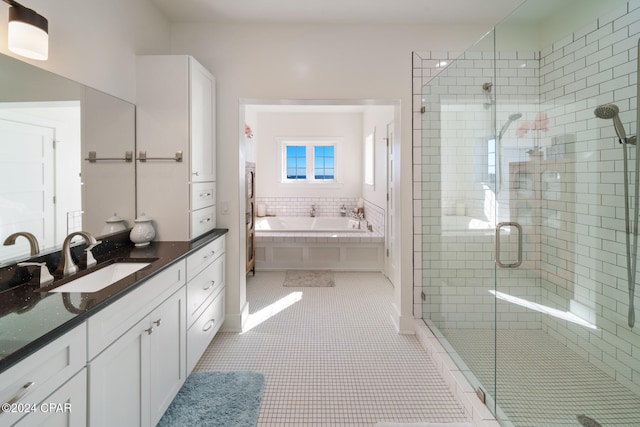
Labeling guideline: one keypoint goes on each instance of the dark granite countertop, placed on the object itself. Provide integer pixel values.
(31, 317)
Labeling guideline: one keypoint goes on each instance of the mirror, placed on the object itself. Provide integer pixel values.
(63, 158)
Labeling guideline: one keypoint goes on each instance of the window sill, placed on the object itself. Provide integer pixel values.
(310, 184)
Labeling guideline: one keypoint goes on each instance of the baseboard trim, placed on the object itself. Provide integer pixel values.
(236, 321)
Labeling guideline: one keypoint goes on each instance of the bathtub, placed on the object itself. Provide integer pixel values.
(317, 243)
(308, 224)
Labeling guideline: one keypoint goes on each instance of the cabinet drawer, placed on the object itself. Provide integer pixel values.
(199, 260)
(36, 377)
(203, 220)
(206, 283)
(107, 325)
(203, 194)
(204, 329)
(67, 406)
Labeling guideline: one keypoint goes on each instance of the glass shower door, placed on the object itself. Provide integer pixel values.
(462, 173)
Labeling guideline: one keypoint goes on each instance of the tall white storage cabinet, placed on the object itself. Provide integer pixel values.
(176, 147)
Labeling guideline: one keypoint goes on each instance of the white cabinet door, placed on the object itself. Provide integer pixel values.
(167, 353)
(119, 381)
(203, 162)
(135, 379)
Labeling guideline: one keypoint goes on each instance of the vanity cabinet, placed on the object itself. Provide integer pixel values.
(205, 298)
(54, 374)
(125, 363)
(176, 170)
(133, 380)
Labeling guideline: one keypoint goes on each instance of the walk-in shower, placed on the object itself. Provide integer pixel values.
(526, 213)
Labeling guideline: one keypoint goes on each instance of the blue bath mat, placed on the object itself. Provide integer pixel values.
(217, 399)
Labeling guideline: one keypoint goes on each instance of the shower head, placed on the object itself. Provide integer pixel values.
(611, 111)
(606, 111)
(512, 118)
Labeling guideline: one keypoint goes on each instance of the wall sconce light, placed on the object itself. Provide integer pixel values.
(28, 32)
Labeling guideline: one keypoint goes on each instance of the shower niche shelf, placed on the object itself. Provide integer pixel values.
(536, 186)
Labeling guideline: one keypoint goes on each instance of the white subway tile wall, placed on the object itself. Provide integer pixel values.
(301, 206)
(583, 257)
(570, 202)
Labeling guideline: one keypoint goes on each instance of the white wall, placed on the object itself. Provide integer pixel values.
(95, 42)
(312, 62)
(273, 125)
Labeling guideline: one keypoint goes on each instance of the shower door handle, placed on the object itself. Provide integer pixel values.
(497, 245)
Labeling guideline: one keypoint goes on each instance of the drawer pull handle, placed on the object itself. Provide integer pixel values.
(149, 331)
(213, 282)
(209, 255)
(208, 325)
(19, 394)
(205, 194)
(207, 219)
(157, 322)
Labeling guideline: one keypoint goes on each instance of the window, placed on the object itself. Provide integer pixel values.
(369, 159)
(310, 160)
(296, 162)
(323, 162)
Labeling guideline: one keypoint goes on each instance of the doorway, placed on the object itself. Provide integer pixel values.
(315, 119)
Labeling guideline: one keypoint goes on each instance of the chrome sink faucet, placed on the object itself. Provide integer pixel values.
(33, 242)
(66, 266)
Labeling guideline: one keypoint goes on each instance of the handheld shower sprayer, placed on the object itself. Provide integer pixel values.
(512, 118)
(611, 111)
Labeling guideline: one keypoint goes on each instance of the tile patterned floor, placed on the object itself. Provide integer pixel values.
(541, 382)
(331, 356)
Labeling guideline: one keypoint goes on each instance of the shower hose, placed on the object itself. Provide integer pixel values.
(632, 247)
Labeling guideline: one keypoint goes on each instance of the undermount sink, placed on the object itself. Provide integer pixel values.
(101, 278)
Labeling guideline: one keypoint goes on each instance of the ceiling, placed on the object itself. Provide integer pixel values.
(441, 12)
